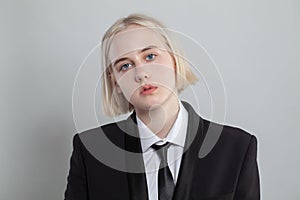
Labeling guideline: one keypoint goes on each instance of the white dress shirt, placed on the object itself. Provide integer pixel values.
(176, 137)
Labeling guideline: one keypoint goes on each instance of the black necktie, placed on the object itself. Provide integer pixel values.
(166, 184)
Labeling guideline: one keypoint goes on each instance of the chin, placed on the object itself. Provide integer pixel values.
(147, 105)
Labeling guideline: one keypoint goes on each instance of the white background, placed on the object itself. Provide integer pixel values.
(255, 45)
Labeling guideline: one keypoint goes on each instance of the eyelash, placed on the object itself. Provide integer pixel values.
(129, 64)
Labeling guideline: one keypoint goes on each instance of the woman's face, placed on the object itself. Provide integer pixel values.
(143, 68)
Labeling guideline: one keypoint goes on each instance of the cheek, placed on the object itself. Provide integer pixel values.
(163, 75)
(127, 84)
(167, 77)
(168, 59)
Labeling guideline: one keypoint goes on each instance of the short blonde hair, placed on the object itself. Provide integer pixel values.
(113, 103)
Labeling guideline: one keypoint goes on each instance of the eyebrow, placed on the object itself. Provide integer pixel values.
(141, 51)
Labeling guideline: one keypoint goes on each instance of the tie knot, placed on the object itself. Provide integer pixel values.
(162, 151)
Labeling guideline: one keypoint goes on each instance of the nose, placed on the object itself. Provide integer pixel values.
(140, 74)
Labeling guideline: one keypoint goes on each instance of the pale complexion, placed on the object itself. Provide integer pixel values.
(144, 71)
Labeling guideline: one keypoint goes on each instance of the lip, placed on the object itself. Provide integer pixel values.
(147, 89)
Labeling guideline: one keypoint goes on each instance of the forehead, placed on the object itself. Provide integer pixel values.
(132, 39)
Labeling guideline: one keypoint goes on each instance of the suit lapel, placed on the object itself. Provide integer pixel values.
(134, 161)
(194, 139)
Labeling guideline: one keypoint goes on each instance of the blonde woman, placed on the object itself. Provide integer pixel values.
(154, 154)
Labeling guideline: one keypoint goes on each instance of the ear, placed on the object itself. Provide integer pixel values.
(173, 59)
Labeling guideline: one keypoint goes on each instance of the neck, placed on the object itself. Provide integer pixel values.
(160, 118)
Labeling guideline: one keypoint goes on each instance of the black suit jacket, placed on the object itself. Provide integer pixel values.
(219, 163)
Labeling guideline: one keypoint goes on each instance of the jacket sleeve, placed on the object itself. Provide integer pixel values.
(76, 181)
(248, 187)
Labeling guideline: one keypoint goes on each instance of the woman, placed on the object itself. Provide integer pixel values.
(154, 153)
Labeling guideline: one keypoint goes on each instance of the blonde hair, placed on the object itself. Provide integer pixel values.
(114, 103)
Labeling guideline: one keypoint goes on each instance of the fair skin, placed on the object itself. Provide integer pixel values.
(144, 71)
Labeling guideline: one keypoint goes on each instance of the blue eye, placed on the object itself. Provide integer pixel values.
(151, 56)
(125, 67)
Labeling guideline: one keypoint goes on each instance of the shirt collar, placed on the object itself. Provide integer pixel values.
(175, 136)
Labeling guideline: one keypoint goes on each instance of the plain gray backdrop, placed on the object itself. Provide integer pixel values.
(255, 45)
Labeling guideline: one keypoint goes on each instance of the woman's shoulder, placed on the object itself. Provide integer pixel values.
(111, 131)
(229, 134)
(228, 130)
(219, 137)
(104, 128)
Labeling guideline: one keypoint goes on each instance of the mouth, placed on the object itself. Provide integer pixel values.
(147, 89)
